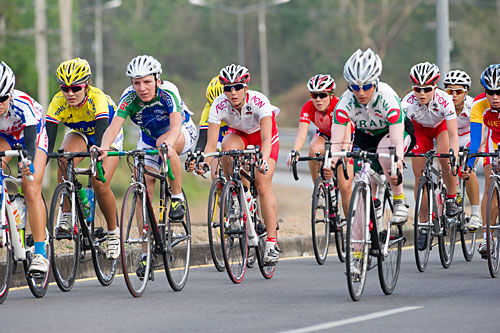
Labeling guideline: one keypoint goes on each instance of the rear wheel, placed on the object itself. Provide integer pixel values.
(338, 225)
(5, 262)
(214, 202)
(447, 235)
(356, 242)
(493, 228)
(178, 252)
(319, 221)
(64, 245)
(234, 238)
(467, 236)
(135, 239)
(422, 225)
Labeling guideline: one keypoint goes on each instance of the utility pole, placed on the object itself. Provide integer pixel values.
(99, 68)
(66, 29)
(264, 68)
(42, 59)
(442, 38)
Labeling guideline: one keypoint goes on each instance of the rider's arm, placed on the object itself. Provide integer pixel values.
(266, 134)
(170, 137)
(111, 132)
(453, 134)
(301, 136)
(202, 139)
(476, 125)
(100, 127)
(397, 137)
(30, 140)
(52, 134)
(212, 138)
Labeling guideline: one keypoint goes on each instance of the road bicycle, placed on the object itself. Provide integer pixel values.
(366, 240)
(492, 218)
(16, 242)
(430, 213)
(146, 234)
(327, 215)
(75, 224)
(242, 227)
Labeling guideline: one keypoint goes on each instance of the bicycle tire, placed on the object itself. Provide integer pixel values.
(446, 238)
(422, 256)
(467, 236)
(320, 227)
(233, 230)
(37, 284)
(65, 247)
(492, 229)
(339, 225)
(389, 266)
(251, 257)
(135, 238)
(267, 271)
(105, 269)
(6, 261)
(356, 242)
(213, 225)
(177, 256)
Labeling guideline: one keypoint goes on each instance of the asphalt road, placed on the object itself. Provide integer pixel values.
(301, 297)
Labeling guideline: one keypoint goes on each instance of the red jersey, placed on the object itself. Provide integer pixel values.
(322, 120)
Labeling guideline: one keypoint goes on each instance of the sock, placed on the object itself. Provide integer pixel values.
(115, 232)
(398, 196)
(451, 196)
(271, 240)
(475, 210)
(179, 196)
(484, 235)
(40, 249)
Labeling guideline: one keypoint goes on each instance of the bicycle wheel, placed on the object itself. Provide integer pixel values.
(267, 271)
(467, 236)
(64, 245)
(357, 241)
(338, 225)
(446, 238)
(105, 268)
(214, 223)
(319, 221)
(178, 254)
(6, 258)
(38, 283)
(389, 263)
(493, 228)
(234, 237)
(421, 224)
(135, 239)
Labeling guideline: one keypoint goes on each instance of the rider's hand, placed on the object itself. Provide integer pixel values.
(328, 171)
(25, 168)
(397, 178)
(289, 161)
(263, 166)
(464, 172)
(202, 168)
(101, 155)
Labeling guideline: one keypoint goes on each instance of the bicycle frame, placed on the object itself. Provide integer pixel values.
(9, 222)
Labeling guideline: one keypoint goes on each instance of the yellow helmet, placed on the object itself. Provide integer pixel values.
(74, 71)
(214, 89)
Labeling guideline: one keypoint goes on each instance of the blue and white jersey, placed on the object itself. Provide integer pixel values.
(23, 111)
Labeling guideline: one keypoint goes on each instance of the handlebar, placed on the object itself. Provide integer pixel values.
(431, 154)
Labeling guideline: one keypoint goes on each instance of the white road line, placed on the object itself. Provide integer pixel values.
(353, 320)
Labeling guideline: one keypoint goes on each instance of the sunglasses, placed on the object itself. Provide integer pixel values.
(365, 87)
(237, 87)
(492, 92)
(4, 98)
(418, 89)
(458, 91)
(320, 95)
(75, 88)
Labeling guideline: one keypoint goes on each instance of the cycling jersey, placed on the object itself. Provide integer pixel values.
(256, 107)
(153, 117)
(204, 122)
(440, 108)
(463, 122)
(322, 120)
(82, 118)
(374, 118)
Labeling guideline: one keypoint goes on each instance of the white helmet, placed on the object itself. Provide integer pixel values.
(7, 79)
(321, 82)
(424, 73)
(363, 67)
(490, 78)
(458, 77)
(234, 74)
(142, 66)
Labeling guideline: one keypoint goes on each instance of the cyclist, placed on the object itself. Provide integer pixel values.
(251, 120)
(485, 110)
(457, 84)
(155, 106)
(319, 109)
(433, 114)
(375, 109)
(21, 121)
(86, 111)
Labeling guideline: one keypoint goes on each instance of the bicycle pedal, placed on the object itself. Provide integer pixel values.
(36, 275)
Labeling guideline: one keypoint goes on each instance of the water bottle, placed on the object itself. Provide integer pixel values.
(91, 198)
(439, 201)
(85, 202)
(378, 214)
(19, 211)
(250, 201)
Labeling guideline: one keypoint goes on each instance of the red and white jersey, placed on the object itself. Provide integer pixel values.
(463, 122)
(256, 107)
(440, 108)
(23, 111)
(322, 120)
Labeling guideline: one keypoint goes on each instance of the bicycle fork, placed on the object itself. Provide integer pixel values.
(253, 238)
(19, 252)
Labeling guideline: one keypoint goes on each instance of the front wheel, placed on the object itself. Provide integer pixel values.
(422, 227)
(214, 202)
(447, 235)
(493, 228)
(320, 225)
(5, 262)
(64, 242)
(267, 271)
(135, 239)
(357, 241)
(467, 236)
